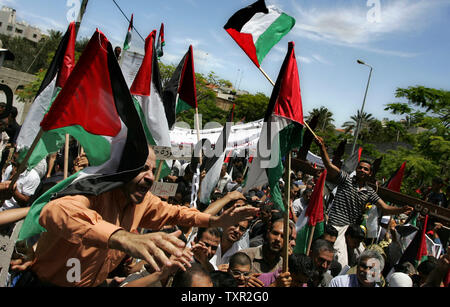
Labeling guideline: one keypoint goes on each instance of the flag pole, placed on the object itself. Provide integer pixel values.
(66, 144)
(273, 84)
(197, 124)
(23, 165)
(158, 172)
(286, 214)
(66, 157)
(310, 240)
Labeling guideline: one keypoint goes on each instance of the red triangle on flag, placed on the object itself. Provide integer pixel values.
(315, 207)
(86, 99)
(289, 99)
(423, 251)
(142, 82)
(68, 62)
(396, 181)
(187, 88)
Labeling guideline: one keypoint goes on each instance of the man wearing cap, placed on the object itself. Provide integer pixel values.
(352, 197)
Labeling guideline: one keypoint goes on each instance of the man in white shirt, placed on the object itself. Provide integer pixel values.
(229, 244)
(25, 187)
(224, 179)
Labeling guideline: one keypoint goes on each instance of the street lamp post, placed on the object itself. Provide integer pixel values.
(358, 124)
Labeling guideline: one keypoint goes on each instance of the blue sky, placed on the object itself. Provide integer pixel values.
(405, 41)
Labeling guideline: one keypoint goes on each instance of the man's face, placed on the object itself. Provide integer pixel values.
(322, 260)
(294, 191)
(240, 273)
(363, 170)
(275, 237)
(366, 272)
(137, 188)
(235, 233)
(292, 238)
(307, 196)
(211, 242)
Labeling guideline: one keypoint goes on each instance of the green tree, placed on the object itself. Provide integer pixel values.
(251, 107)
(326, 120)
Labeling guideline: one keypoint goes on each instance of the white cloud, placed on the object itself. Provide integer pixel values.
(350, 26)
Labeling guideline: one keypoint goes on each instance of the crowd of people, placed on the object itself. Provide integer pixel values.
(128, 237)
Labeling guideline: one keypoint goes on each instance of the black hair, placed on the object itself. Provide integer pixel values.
(301, 264)
(355, 231)
(222, 280)
(216, 232)
(240, 258)
(183, 279)
(427, 266)
(330, 230)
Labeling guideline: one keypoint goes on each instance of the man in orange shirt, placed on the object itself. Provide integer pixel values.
(88, 236)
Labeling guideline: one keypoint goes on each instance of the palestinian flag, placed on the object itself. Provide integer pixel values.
(352, 162)
(311, 217)
(127, 43)
(161, 42)
(180, 93)
(56, 77)
(308, 138)
(257, 28)
(338, 153)
(282, 130)
(416, 250)
(213, 165)
(395, 182)
(146, 91)
(95, 106)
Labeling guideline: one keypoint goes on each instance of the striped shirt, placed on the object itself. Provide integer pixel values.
(350, 201)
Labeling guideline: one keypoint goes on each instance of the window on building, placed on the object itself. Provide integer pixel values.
(9, 28)
(20, 31)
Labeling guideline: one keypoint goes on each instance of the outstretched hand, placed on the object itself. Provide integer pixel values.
(150, 247)
(233, 216)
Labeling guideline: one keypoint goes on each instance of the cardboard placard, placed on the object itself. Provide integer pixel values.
(164, 189)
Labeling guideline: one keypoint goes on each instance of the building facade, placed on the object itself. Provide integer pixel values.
(11, 27)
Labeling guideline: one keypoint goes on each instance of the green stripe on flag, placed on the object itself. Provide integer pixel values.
(31, 226)
(182, 106)
(289, 138)
(274, 33)
(303, 237)
(165, 171)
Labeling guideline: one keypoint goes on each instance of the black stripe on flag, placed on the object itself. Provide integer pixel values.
(241, 17)
(170, 92)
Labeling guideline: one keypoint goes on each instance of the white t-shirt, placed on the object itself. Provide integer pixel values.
(27, 184)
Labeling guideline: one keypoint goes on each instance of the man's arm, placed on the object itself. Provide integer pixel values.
(390, 210)
(332, 170)
(216, 206)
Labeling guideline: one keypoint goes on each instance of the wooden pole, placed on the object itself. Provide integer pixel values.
(310, 241)
(273, 84)
(23, 165)
(197, 124)
(66, 156)
(66, 146)
(158, 172)
(287, 198)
